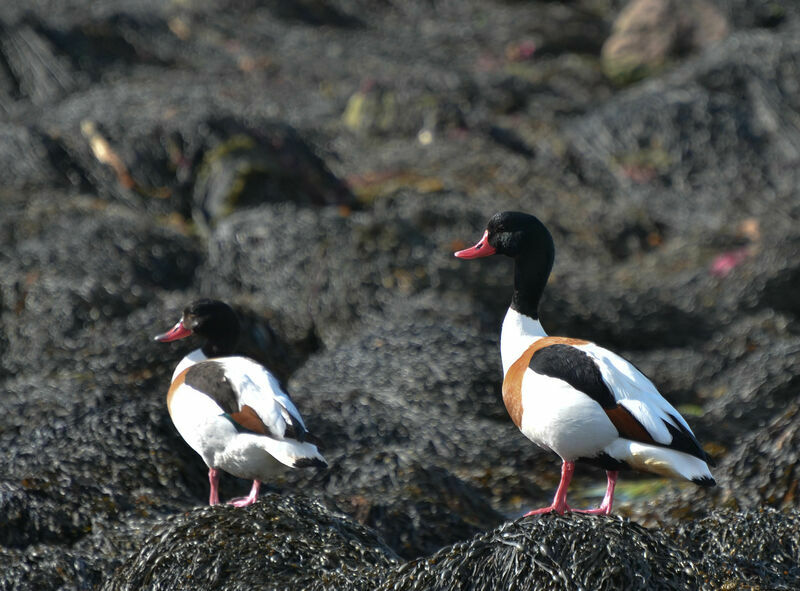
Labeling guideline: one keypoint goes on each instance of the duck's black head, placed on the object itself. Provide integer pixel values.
(524, 238)
(211, 319)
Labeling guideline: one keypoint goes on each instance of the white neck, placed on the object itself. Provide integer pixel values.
(195, 356)
(519, 332)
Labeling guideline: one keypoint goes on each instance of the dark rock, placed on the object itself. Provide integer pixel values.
(243, 166)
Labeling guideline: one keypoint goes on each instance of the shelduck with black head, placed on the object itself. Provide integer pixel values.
(231, 410)
(571, 396)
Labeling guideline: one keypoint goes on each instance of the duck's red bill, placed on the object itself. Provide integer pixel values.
(481, 249)
(176, 332)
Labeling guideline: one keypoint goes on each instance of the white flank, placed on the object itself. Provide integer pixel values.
(200, 422)
(519, 332)
(556, 416)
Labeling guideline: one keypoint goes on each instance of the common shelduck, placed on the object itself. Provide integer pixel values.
(572, 396)
(230, 409)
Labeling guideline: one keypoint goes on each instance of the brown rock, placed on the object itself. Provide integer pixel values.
(647, 33)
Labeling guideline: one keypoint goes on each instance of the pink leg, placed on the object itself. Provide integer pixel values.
(249, 499)
(213, 480)
(560, 500)
(608, 500)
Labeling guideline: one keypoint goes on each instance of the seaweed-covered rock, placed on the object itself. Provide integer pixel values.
(757, 380)
(643, 148)
(30, 160)
(417, 508)
(762, 469)
(278, 543)
(724, 550)
(35, 71)
(69, 262)
(384, 389)
(332, 217)
(757, 548)
(323, 271)
(411, 437)
(50, 567)
(745, 14)
(68, 468)
(554, 552)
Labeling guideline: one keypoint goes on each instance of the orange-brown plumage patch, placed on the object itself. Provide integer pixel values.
(248, 419)
(173, 387)
(512, 384)
(627, 425)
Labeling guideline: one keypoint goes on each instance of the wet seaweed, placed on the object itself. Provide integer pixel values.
(759, 549)
(554, 552)
(278, 543)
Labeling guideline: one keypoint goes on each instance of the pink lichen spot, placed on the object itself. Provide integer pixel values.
(520, 51)
(727, 261)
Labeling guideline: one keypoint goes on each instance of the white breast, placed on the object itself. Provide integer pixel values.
(519, 332)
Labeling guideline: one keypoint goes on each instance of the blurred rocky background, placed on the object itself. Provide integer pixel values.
(316, 163)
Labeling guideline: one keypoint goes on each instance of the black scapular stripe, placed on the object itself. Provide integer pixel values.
(683, 440)
(294, 429)
(606, 462)
(209, 377)
(575, 367)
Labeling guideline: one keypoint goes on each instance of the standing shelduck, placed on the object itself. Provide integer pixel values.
(230, 409)
(572, 396)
